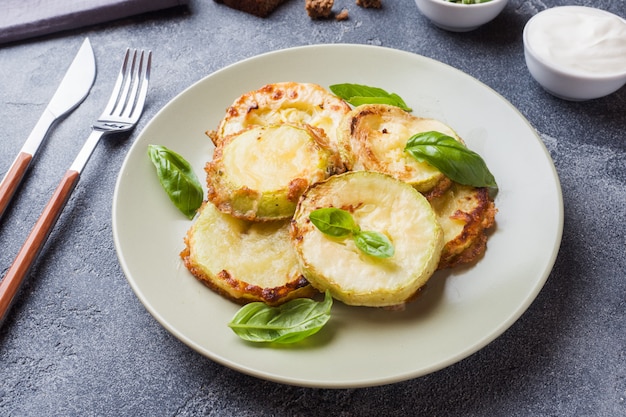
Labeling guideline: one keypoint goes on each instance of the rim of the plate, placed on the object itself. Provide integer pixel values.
(386, 379)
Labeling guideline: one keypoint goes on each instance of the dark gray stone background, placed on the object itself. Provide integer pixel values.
(79, 343)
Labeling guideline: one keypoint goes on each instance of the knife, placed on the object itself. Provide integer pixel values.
(71, 92)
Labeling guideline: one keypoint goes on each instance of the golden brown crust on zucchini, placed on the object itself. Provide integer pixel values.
(285, 102)
(259, 173)
(466, 214)
(222, 253)
(372, 137)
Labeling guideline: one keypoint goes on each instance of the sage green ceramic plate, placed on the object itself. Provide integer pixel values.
(461, 311)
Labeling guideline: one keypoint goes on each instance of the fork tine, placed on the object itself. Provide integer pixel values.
(128, 81)
(136, 81)
(144, 78)
(108, 110)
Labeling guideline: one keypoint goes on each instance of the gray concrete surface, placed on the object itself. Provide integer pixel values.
(79, 343)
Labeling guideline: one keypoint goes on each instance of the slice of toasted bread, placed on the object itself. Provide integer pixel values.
(466, 214)
(244, 261)
(378, 203)
(260, 8)
(373, 137)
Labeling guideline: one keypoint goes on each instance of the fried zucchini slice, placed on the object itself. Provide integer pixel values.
(244, 261)
(466, 214)
(373, 137)
(379, 203)
(285, 102)
(259, 173)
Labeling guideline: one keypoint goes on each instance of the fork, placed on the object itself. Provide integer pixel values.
(121, 114)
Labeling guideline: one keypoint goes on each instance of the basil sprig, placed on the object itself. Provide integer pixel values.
(452, 158)
(288, 323)
(357, 94)
(340, 223)
(177, 178)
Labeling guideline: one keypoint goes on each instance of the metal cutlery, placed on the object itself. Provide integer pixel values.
(121, 114)
(71, 92)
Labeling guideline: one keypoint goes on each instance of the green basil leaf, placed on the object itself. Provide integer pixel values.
(452, 158)
(177, 179)
(333, 221)
(288, 323)
(374, 244)
(339, 223)
(357, 94)
(359, 100)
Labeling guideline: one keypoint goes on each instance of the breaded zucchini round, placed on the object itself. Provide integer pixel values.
(259, 173)
(465, 214)
(378, 203)
(285, 102)
(244, 261)
(373, 137)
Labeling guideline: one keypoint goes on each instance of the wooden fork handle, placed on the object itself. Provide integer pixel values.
(12, 179)
(12, 281)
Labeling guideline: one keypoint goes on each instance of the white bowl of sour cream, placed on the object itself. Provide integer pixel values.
(576, 52)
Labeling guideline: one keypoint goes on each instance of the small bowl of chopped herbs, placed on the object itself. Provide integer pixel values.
(460, 15)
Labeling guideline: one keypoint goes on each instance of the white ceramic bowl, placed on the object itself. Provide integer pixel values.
(558, 69)
(457, 17)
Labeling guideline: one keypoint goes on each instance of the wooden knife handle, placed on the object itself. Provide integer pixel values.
(12, 179)
(12, 281)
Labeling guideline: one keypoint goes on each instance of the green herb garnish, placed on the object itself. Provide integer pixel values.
(288, 323)
(452, 158)
(357, 94)
(340, 223)
(177, 178)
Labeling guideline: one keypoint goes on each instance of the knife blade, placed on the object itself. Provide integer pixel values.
(73, 89)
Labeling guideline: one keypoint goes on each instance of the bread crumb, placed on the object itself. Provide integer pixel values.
(342, 15)
(318, 9)
(375, 4)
